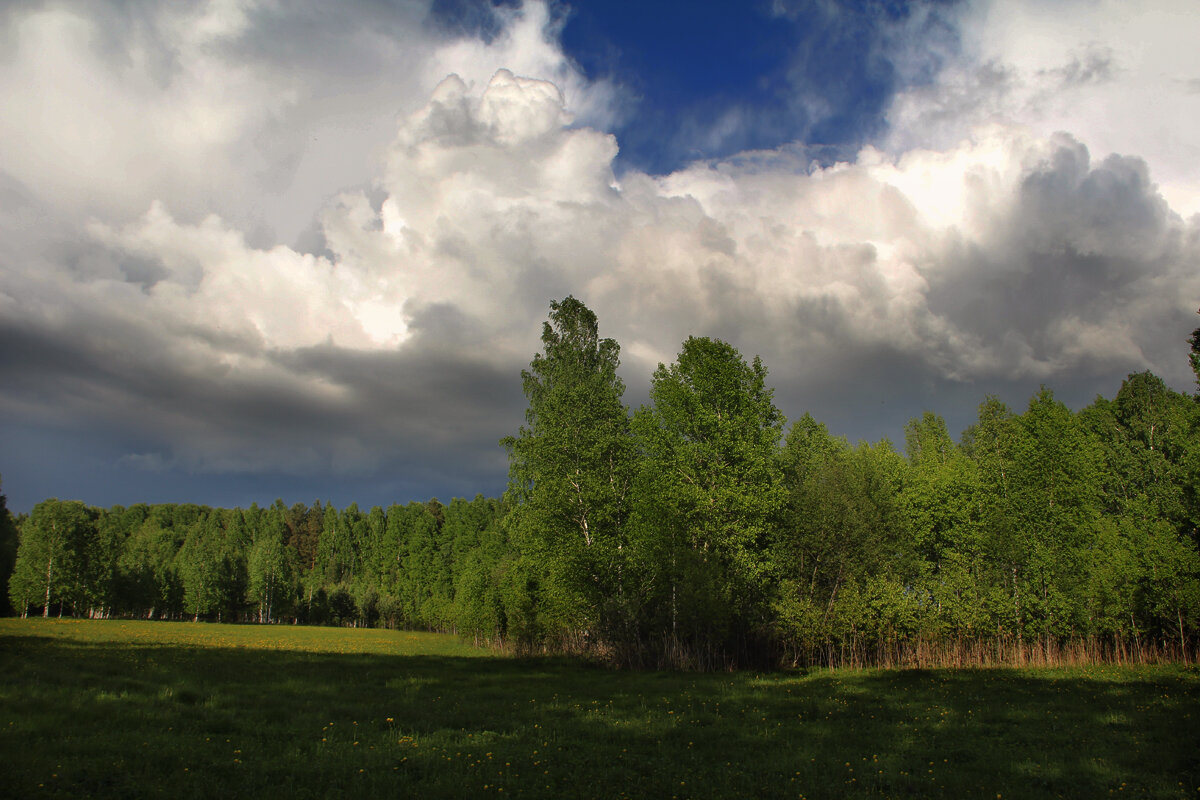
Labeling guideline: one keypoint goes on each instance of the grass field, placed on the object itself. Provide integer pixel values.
(154, 709)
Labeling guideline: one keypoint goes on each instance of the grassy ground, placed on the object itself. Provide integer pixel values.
(152, 709)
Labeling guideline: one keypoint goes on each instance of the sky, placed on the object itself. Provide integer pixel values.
(254, 250)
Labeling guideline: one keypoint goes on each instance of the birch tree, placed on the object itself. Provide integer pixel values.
(201, 567)
(271, 571)
(52, 554)
(570, 470)
(710, 493)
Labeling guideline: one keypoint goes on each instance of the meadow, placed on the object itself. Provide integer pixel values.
(153, 709)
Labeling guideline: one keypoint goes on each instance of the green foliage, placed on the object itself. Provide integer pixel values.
(1148, 581)
(9, 541)
(709, 494)
(53, 565)
(1053, 512)
(424, 589)
(1194, 355)
(272, 567)
(940, 494)
(570, 471)
(847, 544)
(397, 568)
(149, 572)
(201, 567)
(479, 553)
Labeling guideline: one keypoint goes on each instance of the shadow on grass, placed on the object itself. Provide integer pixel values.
(122, 720)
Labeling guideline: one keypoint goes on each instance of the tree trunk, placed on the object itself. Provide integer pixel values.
(49, 569)
(1182, 641)
(1017, 605)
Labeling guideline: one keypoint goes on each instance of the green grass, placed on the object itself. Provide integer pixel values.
(152, 709)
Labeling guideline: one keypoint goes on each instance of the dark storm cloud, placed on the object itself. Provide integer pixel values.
(435, 398)
(1082, 243)
(432, 419)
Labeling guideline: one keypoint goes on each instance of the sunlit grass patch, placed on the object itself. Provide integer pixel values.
(289, 638)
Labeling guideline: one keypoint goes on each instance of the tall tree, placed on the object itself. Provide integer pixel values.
(271, 566)
(479, 551)
(570, 469)
(202, 567)
(711, 489)
(1054, 488)
(335, 547)
(304, 532)
(992, 443)
(421, 569)
(112, 528)
(941, 498)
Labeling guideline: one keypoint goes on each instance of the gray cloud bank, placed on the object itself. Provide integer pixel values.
(249, 253)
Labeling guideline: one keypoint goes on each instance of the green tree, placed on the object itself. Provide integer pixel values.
(941, 500)
(421, 591)
(271, 572)
(147, 566)
(52, 555)
(846, 552)
(482, 553)
(992, 443)
(940, 492)
(1055, 494)
(709, 496)
(9, 541)
(805, 547)
(304, 525)
(202, 566)
(334, 569)
(570, 469)
(1147, 439)
(113, 528)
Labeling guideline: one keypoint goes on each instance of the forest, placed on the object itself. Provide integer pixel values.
(703, 531)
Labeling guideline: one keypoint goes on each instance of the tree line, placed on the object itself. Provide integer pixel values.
(703, 530)
(305, 564)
